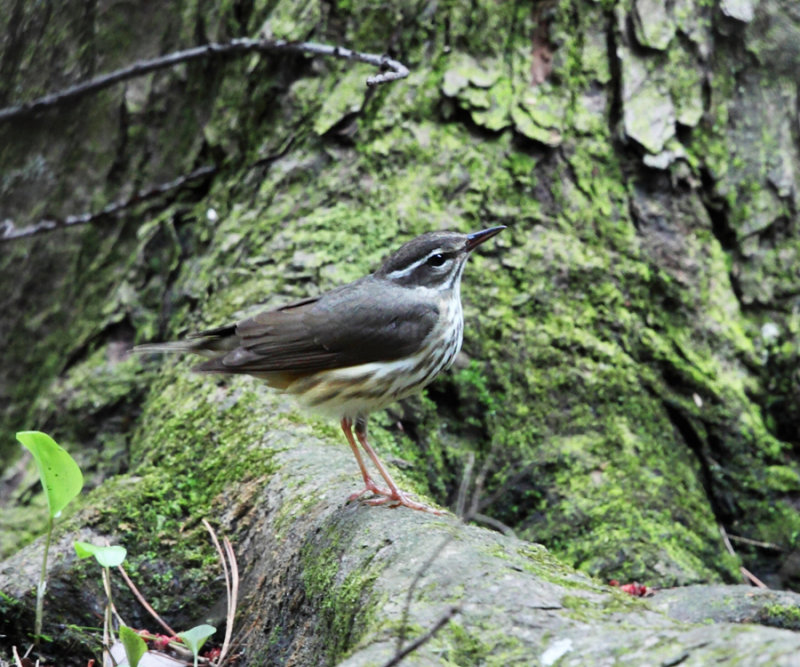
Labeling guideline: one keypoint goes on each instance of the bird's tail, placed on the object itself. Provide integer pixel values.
(211, 343)
(172, 346)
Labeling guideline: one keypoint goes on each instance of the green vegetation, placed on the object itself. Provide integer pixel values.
(345, 603)
(62, 480)
(107, 557)
(196, 637)
(588, 348)
(617, 383)
(781, 616)
(135, 646)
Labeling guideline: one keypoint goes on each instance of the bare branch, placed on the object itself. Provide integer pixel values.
(9, 231)
(391, 70)
(465, 515)
(231, 586)
(463, 488)
(419, 641)
(725, 540)
(751, 578)
(234, 599)
(144, 602)
(755, 543)
(748, 576)
(494, 523)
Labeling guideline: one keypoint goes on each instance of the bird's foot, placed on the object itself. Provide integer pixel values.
(401, 499)
(370, 487)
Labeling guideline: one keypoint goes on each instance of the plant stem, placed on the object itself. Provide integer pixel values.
(110, 605)
(37, 628)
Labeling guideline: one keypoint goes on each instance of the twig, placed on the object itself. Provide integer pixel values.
(483, 504)
(392, 69)
(755, 543)
(413, 646)
(463, 488)
(231, 586)
(9, 231)
(494, 523)
(465, 518)
(222, 558)
(144, 603)
(107, 657)
(476, 505)
(111, 605)
(753, 579)
(234, 599)
(725, 540)
(17, 659)
(401, 637)
(108, 622)
(748, 576)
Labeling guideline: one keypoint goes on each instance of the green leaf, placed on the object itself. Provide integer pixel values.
(106, 556)
(135, 646)
(196, 637)
(61, 477)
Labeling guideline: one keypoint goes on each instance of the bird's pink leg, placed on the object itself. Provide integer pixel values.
(369, 484)
(396, 495)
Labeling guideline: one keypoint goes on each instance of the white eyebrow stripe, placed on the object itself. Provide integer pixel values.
(402, 273)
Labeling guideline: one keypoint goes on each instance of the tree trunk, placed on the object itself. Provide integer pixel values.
(628, 389)
(333, 584)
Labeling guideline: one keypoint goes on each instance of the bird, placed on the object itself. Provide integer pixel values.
(356, 348)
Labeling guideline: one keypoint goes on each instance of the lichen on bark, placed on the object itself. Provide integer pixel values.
(628, 376)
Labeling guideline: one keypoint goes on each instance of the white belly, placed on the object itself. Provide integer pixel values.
(356, 391)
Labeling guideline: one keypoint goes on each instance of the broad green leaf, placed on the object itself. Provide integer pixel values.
(61, 477)
(135, 646)
(106, 556)
(196, 637)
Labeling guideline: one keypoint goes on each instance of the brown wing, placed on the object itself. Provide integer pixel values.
(345, 327)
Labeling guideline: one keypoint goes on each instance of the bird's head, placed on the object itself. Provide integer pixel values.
(434, 260)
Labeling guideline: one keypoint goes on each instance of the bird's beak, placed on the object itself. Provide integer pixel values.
(476, 238)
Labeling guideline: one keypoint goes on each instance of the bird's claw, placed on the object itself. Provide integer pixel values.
(394, 500)
(370, 487)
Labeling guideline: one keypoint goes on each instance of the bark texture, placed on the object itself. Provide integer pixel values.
(327, 584)
(629, 378)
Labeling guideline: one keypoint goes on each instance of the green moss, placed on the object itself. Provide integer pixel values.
(592, 611)
(540, 562)
(185, 458)
(457, 644)
(782, 478)
(344, 601)
(780, 616)
(466, 649)
(608, 387)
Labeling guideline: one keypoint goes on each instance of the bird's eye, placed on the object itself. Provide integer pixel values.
(436, 260)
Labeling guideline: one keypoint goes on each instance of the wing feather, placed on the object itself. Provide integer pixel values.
(345, 327)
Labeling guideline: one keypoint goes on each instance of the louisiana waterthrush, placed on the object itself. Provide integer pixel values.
(359, 347)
